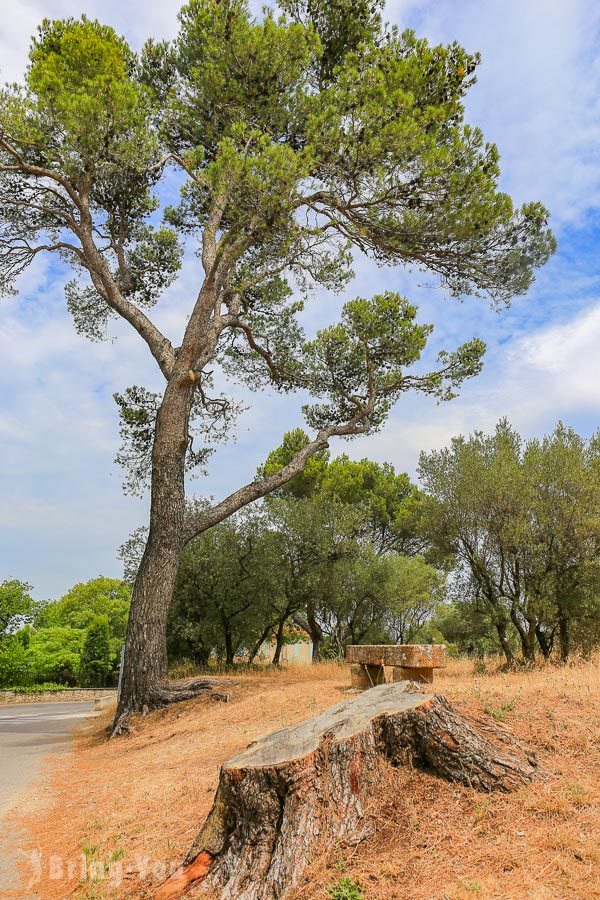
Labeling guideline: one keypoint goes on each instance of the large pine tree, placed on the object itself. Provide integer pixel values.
(300, 138)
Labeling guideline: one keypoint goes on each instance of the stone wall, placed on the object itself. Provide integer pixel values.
(67, 696)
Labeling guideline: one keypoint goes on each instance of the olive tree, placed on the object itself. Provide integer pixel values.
(301, 138)
(521, 519)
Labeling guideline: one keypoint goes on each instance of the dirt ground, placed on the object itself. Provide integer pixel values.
(124, 812)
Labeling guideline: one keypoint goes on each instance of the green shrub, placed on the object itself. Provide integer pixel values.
(96, 656)
(54, 654)
(15, 666)
(80, 607)
(345, 889)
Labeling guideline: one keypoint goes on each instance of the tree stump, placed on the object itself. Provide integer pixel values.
(299, 786)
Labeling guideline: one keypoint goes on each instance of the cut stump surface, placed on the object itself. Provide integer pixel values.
(298, 787)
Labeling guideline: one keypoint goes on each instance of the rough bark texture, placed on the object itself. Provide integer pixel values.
(144, 686)
(309, 783)
(145, 668)
(145, 662)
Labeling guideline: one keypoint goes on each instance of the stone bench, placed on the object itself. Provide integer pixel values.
(409, 662)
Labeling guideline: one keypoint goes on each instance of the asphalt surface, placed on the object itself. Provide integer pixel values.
(28, 734)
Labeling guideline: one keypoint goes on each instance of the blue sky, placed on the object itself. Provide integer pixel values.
(63, 513)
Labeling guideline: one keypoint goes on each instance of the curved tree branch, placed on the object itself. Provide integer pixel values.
(263, 486)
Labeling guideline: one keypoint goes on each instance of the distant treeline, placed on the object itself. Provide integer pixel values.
(498, 551)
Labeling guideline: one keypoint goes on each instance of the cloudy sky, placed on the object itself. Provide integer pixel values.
(62, 511)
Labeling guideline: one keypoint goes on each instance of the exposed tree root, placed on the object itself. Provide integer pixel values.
(176, 691)
(311, 782)
(167, 693)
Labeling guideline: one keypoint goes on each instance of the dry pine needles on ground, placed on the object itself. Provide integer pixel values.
(124, 812)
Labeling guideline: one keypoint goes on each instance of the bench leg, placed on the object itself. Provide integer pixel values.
(404, 673)
(366, 676)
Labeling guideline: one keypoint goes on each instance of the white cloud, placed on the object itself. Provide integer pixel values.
(551, 374)
(136, 20)
(538, 90)
(564, 360)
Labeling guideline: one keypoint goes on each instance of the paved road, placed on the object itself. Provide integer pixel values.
(28, 733)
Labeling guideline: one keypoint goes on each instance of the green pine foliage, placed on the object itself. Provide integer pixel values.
(301, 136)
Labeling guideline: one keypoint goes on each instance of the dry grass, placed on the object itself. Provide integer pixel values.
(434, 840)
(329, 670)
(141, 799)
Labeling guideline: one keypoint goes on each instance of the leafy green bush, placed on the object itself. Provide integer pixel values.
(16, 606)
(345, 889)
(81, 605)
(54, 655)
(49, 650)
(15, 666)
(96, 656)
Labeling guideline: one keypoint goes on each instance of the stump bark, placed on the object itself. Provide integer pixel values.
(302, 785)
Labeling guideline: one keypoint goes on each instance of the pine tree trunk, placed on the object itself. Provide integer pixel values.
(308, 785)
(145, 663)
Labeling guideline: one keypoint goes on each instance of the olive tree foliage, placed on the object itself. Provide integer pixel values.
(383, 519)
(381, 588)
(562, 565)
(415, 590)
(476, 511)
(300, 562)
(522, 520)
(361, 596)
(300, 138)
(316, 536)
(226, 593)
(248, 579)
